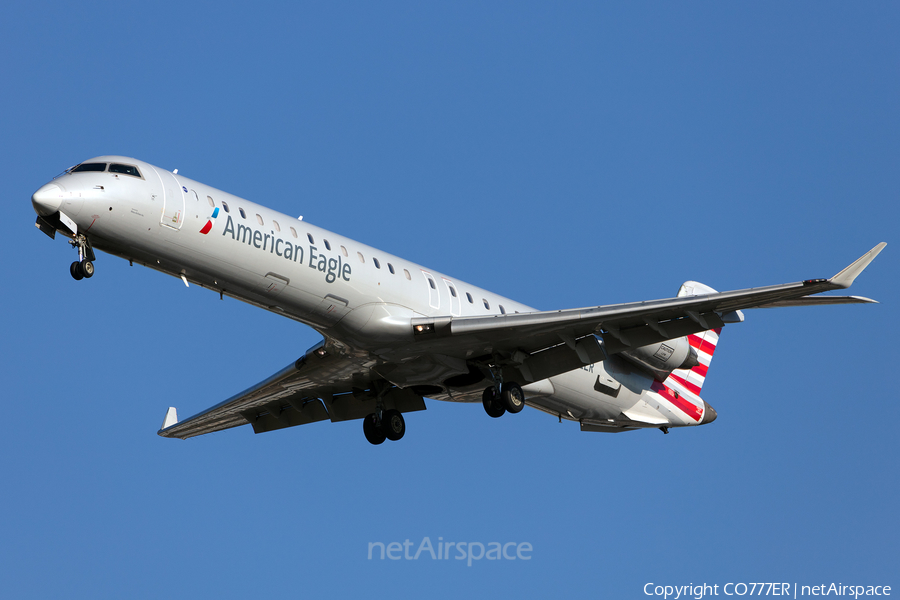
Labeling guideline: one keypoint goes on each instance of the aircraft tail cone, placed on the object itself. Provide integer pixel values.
(709, 415)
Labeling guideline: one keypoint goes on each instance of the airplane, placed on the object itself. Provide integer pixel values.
(395, 332)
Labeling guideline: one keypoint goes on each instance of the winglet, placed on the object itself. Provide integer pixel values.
(845, 278)
(171, 418)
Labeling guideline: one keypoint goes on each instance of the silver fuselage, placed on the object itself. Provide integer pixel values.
(352, 293)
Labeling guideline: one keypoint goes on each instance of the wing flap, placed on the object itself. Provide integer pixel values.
(278, 416)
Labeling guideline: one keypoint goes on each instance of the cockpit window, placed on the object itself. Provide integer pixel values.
(89, 167)
(125, 170)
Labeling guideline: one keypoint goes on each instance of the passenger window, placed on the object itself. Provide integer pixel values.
(211, 201)
(344, 251)
(259, 218)
(327, 245)
(453, 291)
(243, 214)
(391, 268)
(486, 305)
(431, 283)
(277, 226)
(377, 264)
(502, 310)
(196, 197)
(469, 298)
(310, 238)
(361, 259)
(293, 232)
(225, 206)
(408, 276)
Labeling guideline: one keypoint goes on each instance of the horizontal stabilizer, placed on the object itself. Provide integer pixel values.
(171, 418)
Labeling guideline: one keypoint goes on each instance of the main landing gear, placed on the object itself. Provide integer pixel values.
(84, 266)
(391, 426)
(510, 398)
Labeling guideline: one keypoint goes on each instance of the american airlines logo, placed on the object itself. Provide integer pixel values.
(209, 224)
(333, 268)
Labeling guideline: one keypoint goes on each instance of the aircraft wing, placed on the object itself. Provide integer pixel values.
(327, 383)
(543, 344)
(332, 382)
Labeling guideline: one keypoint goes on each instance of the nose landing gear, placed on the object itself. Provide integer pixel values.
(84, 266)
(82, 269)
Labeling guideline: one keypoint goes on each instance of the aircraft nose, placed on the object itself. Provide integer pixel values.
(709, 415)
(46, 200)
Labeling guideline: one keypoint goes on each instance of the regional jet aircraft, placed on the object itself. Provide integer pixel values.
(394, 331)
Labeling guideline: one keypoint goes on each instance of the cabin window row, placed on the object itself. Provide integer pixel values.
(259, 219)
(346, 254)
(452, 288)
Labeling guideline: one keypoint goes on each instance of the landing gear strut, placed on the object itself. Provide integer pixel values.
(390, 426)
(84, 266)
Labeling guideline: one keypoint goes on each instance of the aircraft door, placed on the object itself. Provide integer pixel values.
(434, 297)
(454, 297)
(173, 203)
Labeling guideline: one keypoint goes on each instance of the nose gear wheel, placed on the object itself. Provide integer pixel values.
(83, 268)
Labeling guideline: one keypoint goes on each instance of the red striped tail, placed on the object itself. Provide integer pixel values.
(704, 343)
(691, 380)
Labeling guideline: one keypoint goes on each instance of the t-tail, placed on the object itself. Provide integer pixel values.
(682, 387)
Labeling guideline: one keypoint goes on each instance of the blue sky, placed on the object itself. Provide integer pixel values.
(564, 156)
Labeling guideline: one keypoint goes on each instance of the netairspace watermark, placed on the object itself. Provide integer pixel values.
(467, 551)
(764, 589)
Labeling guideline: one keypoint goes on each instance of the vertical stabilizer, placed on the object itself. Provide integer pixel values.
(691, 380)
(704, 344)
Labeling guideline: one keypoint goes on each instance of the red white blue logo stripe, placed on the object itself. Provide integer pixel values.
(209, 224)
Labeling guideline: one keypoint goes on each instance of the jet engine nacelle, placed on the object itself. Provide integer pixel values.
(661, 359)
